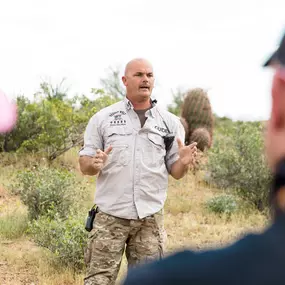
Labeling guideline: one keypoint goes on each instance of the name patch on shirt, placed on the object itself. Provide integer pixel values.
(117, 118)
(161, 129)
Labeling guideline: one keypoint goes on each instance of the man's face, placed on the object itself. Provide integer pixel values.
(139, 80)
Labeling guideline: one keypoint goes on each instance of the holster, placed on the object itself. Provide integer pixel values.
(91, 216)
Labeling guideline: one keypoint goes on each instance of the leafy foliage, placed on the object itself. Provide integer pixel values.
(237, 161)
(50, 92)
(112, 83)
(46, 191)
(178, 97)
(65, 238)
(26, 128)
(222, 204)
(52, 123)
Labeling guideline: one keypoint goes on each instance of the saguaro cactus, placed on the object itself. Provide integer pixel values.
(197, 118)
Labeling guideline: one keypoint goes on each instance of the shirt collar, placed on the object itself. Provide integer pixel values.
(129, 105)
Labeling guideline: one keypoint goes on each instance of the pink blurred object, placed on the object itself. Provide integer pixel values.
(280, 72)
(8, 114)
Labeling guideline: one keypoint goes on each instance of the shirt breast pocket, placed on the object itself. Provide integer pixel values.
(154, 151)
(119, 138)
(156, 140)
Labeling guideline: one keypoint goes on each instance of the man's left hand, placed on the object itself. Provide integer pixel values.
(187, 153)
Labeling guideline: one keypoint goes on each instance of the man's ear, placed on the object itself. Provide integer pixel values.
(124, 79)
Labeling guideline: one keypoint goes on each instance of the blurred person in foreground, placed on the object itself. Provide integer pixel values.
(256, 258)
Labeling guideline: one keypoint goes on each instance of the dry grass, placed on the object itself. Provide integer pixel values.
(22, 262)
(193, 226)
(14, 223)
(19, 262)
(187, 222)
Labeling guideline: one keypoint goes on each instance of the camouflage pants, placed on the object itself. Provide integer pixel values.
(142, 239)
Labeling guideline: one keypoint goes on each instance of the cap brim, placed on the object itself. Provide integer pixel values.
(272, 58)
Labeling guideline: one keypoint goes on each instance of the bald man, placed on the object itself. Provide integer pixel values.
(132, 146)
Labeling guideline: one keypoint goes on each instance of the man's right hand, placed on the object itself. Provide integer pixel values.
(93, 165)
(101, 157)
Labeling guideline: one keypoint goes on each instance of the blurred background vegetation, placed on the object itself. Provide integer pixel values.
(44, 198)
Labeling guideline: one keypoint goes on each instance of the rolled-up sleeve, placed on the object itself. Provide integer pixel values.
(92, 138)
(172, 156)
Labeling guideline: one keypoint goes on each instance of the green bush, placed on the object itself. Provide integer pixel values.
(66, 239)
(52, 123)
(223, 204)
(237, 162)
(46, 191)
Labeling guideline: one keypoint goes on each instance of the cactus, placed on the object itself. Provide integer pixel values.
(186, 127)
(202, 137)
(197, 118)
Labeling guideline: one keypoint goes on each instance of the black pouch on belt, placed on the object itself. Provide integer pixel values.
(90, 218)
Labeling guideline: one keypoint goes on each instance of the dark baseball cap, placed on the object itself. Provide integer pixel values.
(278, 56)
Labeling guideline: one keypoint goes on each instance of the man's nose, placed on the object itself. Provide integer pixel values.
(145, 78)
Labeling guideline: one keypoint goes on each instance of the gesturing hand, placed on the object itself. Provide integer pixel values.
(187, 153)
(101, 157)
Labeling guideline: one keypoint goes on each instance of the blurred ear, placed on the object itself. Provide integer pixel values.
(278, 102)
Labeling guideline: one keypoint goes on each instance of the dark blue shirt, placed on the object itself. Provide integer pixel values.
(256, 259)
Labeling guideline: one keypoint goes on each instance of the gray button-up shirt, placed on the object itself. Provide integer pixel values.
(133, 183)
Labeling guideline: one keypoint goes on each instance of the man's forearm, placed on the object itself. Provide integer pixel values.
(87, 167)
(178, 169)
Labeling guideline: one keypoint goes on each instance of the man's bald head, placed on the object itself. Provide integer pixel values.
(139, 81)
(135, 63)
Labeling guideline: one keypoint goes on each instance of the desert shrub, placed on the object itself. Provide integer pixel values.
(65, 238)
(46, 191)
(237, 162)
(222, 204)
